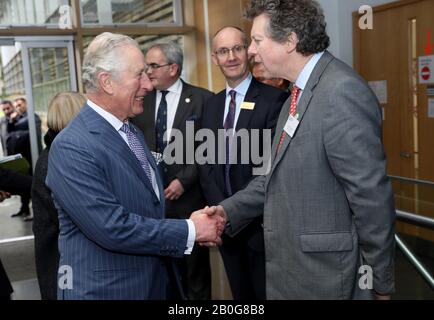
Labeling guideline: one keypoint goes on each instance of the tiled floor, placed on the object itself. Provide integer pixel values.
(18, 259)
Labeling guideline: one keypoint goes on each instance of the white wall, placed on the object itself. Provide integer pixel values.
(338, 14)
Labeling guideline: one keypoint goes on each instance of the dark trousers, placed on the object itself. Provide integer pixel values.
(196, 274)
(244, 260)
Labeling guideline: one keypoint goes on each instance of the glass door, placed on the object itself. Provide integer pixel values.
(49, 68)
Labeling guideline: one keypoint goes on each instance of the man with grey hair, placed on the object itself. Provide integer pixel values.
(327, 202)
(174, 105)
(114, 241)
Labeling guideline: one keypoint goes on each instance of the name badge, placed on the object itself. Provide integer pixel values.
(291, 125)
(248, 105)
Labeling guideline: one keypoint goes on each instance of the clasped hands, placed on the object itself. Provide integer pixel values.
(209, 223)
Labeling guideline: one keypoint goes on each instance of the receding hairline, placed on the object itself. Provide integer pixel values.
(241, 31)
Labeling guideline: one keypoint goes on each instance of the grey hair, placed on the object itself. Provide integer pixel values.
(103, 55)
(172, 52)
(303, 17)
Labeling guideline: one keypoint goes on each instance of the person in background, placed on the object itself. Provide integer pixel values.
(18, 141)
(11, 183)
(175, 104)
(8, 109)
(62, 109)
(258, 72)
(245, 104)
(5, 284)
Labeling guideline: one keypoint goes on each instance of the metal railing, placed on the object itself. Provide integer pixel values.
(422, 222)
(416, 220)
(415, 181)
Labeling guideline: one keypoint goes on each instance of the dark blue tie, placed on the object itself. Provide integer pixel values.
(229, 124)
(161, 124)
(137, 149)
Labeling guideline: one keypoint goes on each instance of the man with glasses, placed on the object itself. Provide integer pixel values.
(244, 104)
(175, 104)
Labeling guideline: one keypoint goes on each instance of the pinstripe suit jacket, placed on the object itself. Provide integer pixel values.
(112, 232)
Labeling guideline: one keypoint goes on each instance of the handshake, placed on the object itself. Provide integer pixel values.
(209, 223)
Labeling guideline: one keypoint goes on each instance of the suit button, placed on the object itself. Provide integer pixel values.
(165, 170)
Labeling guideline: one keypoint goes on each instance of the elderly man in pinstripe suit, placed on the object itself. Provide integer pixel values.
(114, 242)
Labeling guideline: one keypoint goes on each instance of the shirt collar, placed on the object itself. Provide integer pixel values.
(307, 70)
(115, 122)
(242, 87)
(175, 88)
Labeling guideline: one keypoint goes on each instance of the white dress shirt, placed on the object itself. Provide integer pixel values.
(304, 75)
(241, 91)
(172, 98)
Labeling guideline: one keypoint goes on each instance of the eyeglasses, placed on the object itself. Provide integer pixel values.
(153, 66)
(224, 52)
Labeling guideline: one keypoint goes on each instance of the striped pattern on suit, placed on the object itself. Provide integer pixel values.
(112, 231)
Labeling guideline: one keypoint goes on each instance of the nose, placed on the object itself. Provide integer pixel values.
(252, 50)
(231, 55)
(146, 83)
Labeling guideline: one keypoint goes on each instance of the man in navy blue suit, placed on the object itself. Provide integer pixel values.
(114, 241)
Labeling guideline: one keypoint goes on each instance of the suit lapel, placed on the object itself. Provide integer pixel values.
(245, 114)
(219, 111)
(302, 107)
(183, 106)
(111, 140)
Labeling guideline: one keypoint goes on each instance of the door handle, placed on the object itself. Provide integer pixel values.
(406, 154)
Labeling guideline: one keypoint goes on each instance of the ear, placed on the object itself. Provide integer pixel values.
(214, 59)
(105, 82)
(174, 68)
(292, 42)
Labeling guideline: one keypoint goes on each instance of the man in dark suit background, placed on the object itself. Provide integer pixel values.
(18, 141)
(172, 105)
(11, 182)
(8, 109)
(250, 105)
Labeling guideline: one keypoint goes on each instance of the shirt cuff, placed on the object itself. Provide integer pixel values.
(191, 236)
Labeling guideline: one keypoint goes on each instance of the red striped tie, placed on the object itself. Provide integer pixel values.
(294, 95)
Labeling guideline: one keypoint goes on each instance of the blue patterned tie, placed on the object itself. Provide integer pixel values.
(161, 124)
(137, 149)
(229, 124)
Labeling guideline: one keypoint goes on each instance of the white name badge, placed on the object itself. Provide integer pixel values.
(291, 125)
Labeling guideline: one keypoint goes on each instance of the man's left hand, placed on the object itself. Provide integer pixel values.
(174, 190)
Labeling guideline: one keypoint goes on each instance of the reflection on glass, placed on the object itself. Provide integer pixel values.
(108, 12)
(50, 75)
(30, 12)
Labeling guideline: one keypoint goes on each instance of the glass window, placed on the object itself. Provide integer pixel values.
(119, 12)
(30, 12)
